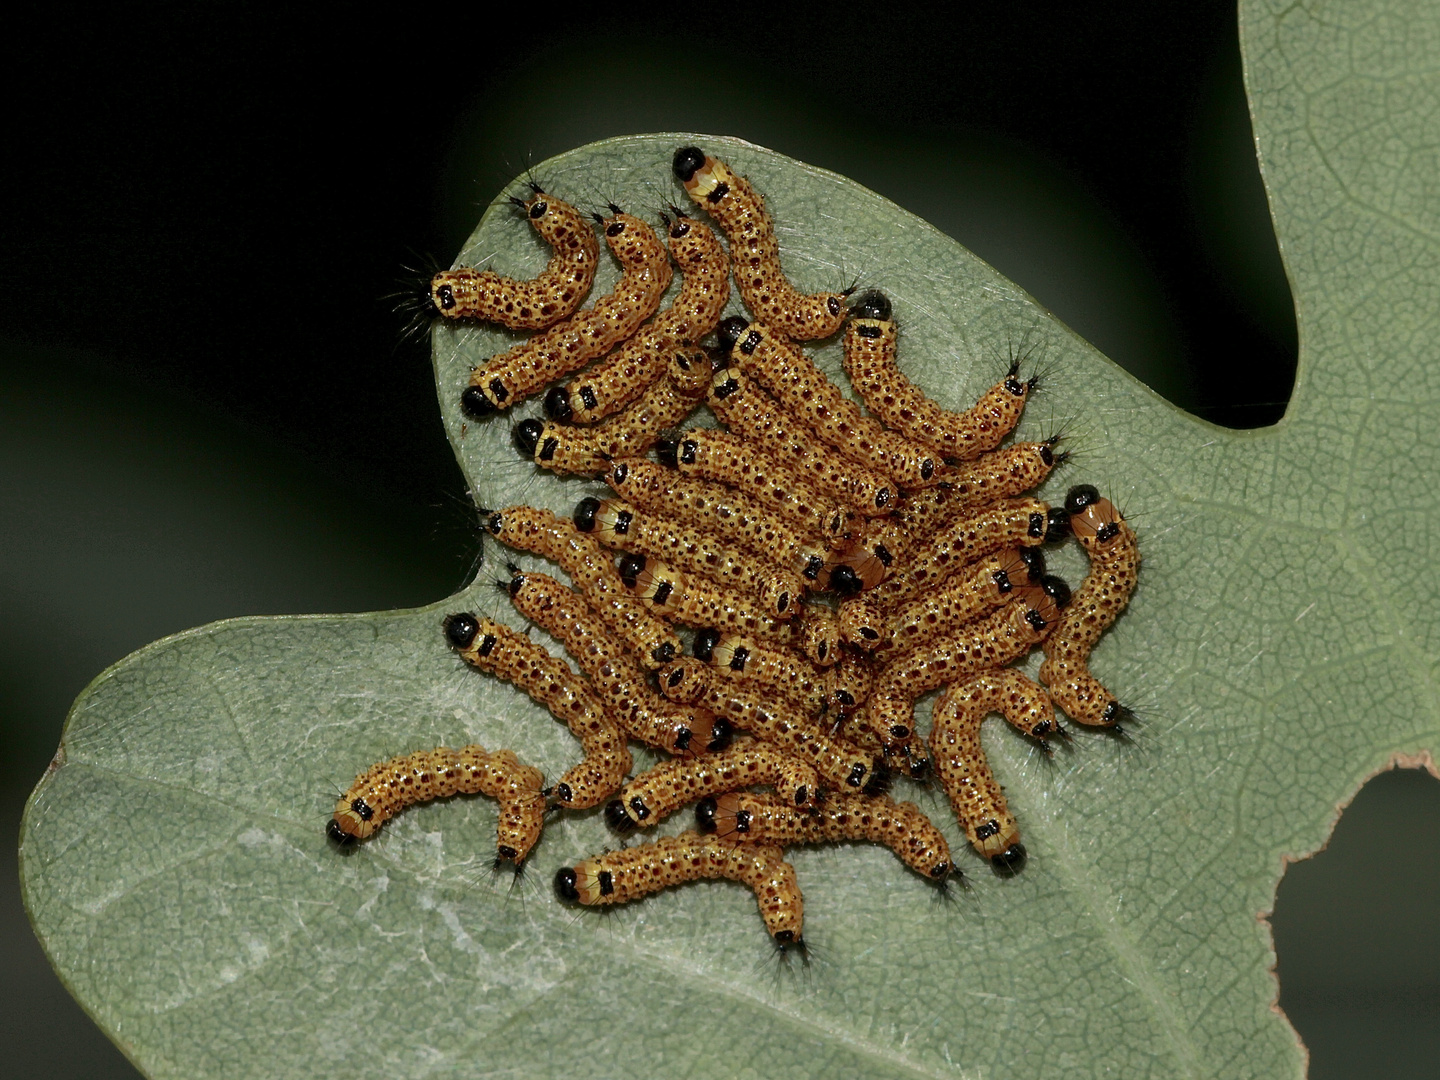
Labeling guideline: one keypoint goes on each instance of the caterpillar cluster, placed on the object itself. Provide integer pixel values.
(826, 563)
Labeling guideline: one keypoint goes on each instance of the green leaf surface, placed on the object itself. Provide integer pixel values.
(1282, 645)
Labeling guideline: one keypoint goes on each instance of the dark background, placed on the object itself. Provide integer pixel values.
(206, 411)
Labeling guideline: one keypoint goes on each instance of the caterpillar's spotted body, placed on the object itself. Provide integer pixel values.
(736, 518)
(621, 377)
(383, 790)
(749, 411)
(521, 371)
(959, 761)
(587, 451)
(969, 593)
(488, 646)
(659, 792)
(539, 531)
(620, 525)
(811, 689)
(801, 388)
(464, 293)
(641, 713)
(902, 827)
(970, 536)
(740, 211)
(1104, 594)
(838, 761)
(889, 395)
(746, 466)
(617, 877)
(690, 600)
(983, 645)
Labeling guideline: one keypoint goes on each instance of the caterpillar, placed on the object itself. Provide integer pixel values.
(622, 376)
(803, 389)
(749, 411)
(959, 760)
(516, 374)
(618, 524)
(1103, 595)
(589, 567)
(488, 646)
(693, 601)
(737, 519)
(659, 792)
(740, 463)
(902, 827)
(640, 713)
(837, 760)
(809, 688)
(383, 790)
(465, 293)
(617, 877)
(971, 536)
(965, 595)
(740, 211)
(586, 451)
(987, 643)
(869, 353)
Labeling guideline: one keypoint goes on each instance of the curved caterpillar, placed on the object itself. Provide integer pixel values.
(617, 877)
(1103, 595)
(487, 646)
(586, 451)
(465, 293)
(621, 377)
(803, 389)
(514, 375)
(658, 792)
(383, 790)
(966, 650)
(740, 210)
(870, 363)
(959, 760)
(902, 827)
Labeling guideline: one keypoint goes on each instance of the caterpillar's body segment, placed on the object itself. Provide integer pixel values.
(740, 212)
(587, 451)
(658, 792)
(521, 371)
(691, 600)
(621, 525)
(971, 536)
(810, 689)
(959, 760)
(983, 645)
(889, 395)
(622, 376)
(746, 466)
(617, 877)
(748, 706)
(749, 411)
(641, 713)
(490, 647)
(539, 531)
(464, 293)
(1114, 569)
(383, 790)
(901, 827)
(802, 389)
(736, 518)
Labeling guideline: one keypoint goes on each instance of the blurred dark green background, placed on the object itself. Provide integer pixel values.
(204, 411)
